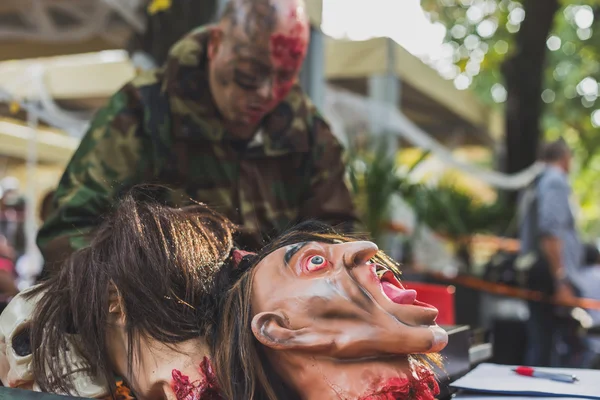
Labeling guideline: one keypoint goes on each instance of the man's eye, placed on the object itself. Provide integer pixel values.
(245, 81)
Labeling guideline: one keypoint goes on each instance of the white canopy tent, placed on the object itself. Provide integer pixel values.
(425, 97)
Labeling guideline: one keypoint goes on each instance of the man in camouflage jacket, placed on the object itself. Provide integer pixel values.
(223, 122)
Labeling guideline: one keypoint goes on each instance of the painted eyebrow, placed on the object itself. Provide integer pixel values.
(291, 250)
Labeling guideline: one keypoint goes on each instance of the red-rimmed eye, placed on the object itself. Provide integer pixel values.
(315, 263)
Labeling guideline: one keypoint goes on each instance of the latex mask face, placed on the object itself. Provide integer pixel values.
(335, 325)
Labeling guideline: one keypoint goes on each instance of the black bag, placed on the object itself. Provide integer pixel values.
(501, 269)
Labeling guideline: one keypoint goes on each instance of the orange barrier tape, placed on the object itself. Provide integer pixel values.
(510, 291)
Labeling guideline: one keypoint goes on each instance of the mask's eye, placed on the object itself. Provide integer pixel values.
(316, 263)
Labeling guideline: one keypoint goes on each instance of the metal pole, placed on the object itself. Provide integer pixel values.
(312, 76)
(31, 265)
(392, 92)
(31, 206)
(221, 4)
(384, 89)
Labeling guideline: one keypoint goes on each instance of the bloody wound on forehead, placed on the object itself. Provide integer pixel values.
(288, 51)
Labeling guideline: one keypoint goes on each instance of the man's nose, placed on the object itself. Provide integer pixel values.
(354, 253)
(265, 90)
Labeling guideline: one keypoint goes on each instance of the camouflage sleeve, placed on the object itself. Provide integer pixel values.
(329, 198)
(110, 158)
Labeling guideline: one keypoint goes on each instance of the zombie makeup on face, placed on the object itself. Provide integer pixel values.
(249, 73)
(286, 50)
(287, 54)
(264, 44)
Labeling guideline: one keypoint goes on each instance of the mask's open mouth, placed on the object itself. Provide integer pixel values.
(393, 289)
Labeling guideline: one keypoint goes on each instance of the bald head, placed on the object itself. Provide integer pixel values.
(255, 56)
(260, 18)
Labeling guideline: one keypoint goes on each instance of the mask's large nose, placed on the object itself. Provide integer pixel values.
(354, 253)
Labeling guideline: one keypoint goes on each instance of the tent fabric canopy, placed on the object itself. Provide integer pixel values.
(348, 110)
(425, 97)
(52, 147)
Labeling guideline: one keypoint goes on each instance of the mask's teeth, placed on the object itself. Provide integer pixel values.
(380, 272)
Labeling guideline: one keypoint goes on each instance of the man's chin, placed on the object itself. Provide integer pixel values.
(245, 120)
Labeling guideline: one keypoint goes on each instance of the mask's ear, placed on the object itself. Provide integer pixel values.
(115, 308)
(273, 330)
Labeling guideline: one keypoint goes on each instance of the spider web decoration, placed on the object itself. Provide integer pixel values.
(69, 21)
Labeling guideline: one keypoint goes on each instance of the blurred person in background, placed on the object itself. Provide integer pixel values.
(29, 266)
(12, 214)
(8, 287)
(589, 277)
(550, 243)
(224, 122)
(589, 285)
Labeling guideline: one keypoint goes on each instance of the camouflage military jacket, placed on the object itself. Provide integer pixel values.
(163, 127)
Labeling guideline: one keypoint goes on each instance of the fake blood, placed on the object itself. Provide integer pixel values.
(206, 388)
(287, 51)
(422, 387)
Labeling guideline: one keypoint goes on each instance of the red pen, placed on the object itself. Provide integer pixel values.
(528, 371)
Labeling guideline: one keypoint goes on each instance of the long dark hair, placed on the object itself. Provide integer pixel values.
(241, 365)
(159, 261)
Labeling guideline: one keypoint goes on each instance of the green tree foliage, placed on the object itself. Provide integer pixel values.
(445, 208)
(481, 36)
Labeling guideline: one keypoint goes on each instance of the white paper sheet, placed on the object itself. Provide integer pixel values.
(507, 397)
(500, 379)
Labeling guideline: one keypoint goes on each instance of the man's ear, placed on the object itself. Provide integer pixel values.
(273, 330)
(214, 42)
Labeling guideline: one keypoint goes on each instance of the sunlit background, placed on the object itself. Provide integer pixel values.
(404, 21)
(410, 26)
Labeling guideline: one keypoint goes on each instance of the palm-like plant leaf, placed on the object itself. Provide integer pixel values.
(374, 179)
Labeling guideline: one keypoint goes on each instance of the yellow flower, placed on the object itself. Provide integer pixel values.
(159, 5)
(14, 107)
